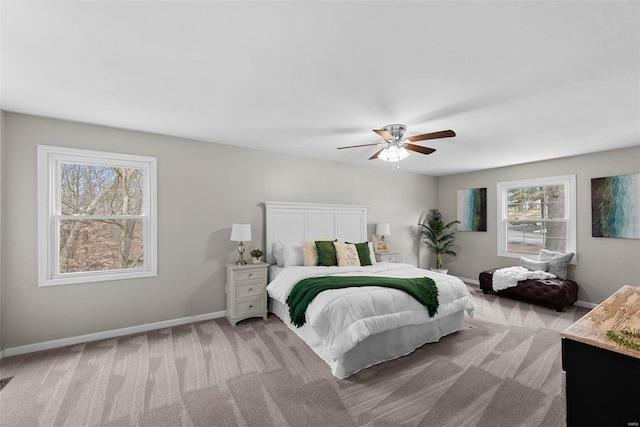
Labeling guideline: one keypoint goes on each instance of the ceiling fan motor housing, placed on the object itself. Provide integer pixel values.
(397, 130)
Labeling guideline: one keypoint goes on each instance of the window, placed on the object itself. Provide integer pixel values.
(96, 216)
(537, 214)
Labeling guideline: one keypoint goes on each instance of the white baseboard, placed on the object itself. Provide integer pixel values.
(585, 304)
(472, 281)
(47, 345)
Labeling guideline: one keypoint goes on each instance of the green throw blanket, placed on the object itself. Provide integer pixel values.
(423, 289)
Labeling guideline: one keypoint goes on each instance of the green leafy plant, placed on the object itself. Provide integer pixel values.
(625, 341)
(256, 253)
(439, 237)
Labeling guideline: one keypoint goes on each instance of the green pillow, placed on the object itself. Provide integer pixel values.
(326, 253)
(363, 253)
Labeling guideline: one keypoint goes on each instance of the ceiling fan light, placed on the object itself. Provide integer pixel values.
(384, 155)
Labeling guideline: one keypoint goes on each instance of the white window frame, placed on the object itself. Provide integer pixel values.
(50, 159)
(569, 183)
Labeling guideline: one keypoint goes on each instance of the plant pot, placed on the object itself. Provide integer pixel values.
(256, 260)
(440, 270)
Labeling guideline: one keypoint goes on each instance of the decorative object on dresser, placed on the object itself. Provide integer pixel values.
(438, 236)
(387, 257)
(382, 229)
(256, 254)
(603, 375)
(246, 291)
(241, 233)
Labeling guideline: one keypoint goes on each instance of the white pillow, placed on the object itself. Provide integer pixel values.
(558, 262)
(292, 254)
(533, 265)
(277, 254)
(372, 254)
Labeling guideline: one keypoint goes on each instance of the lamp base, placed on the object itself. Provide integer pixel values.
(241, 260)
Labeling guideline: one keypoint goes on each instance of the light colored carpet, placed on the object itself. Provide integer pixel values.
(503, 369)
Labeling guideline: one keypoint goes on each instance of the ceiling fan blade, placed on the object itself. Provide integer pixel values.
(362, 145)
(434, 135)
(419, 149)
(384, 134)
(375, 156)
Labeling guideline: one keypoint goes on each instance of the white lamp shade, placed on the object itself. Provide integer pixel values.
(383, 229)
(241, 233)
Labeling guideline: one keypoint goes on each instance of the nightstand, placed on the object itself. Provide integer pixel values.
(246, 291)
(387, 257)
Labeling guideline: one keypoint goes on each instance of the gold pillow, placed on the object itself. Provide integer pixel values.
(310, 253)
(346, 254)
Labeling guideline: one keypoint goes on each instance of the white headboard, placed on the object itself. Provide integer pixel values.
(294, 222)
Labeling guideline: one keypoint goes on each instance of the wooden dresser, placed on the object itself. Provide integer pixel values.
(602, 376)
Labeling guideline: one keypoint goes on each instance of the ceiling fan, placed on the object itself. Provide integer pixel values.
(395, 145)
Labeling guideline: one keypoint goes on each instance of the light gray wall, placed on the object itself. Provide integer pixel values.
(1, 205)
(202, 189)
(604, 265)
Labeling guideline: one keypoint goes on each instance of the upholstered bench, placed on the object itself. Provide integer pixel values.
(558, 293)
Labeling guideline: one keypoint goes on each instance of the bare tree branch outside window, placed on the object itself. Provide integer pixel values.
(100, 225)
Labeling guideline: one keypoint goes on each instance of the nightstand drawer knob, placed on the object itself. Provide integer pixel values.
(250, 274)
(250, 289)
(250, 305)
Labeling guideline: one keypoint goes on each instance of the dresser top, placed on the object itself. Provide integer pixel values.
(621, 311)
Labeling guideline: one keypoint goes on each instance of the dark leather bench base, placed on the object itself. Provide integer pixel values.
(557, 293)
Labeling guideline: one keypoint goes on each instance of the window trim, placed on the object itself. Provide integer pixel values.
(568, 181)
(49, 159)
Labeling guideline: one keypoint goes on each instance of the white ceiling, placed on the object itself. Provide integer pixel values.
(517, 81)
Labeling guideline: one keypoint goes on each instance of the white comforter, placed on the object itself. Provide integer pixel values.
(509, 277)
(344, 317)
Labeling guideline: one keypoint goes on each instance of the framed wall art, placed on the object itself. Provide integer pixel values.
(615, 206)
(472, 209)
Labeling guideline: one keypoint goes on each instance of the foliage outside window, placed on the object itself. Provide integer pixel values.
(96, 216)
(537, 214)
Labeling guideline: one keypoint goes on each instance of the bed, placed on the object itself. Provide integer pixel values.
(353, 328)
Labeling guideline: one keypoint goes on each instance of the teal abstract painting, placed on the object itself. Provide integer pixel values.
(472, 209)
(615, 206)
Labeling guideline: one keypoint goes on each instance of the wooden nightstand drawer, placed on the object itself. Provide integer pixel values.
(387, 257)
(254, 306)
(254, 274)
(250, 290)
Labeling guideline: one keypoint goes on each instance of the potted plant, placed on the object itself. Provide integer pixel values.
(438, 237)
(256, 254)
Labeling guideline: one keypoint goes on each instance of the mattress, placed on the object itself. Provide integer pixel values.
(273, 272)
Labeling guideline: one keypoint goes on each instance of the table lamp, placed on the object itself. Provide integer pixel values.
(241, 233)
(383, 229)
